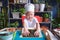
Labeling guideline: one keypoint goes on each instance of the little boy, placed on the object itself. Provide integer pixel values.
(30, 22)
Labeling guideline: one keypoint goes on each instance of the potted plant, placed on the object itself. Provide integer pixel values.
(36, 7)
(42, 5)
(46, 17)
(15, 24)
(36, 3)
(15, 13)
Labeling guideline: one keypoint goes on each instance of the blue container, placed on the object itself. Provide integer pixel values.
(18, 33)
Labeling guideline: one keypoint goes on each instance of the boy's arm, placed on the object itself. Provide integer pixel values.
(24, 25)
(37, 27)
(37, 30)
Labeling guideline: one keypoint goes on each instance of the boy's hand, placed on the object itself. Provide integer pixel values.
(27, 32)
(36, 33)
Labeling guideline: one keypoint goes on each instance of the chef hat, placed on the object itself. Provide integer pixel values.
(29, 7)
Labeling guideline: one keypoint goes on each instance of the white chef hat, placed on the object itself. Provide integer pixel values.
(29, 7)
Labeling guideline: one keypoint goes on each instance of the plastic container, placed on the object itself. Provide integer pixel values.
(6, 35)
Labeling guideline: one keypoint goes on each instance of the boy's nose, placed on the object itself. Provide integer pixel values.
(30, 16)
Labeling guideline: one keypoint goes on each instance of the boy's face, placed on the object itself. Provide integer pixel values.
(29, 15)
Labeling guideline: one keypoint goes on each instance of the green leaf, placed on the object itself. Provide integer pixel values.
(46, 15)
(16, 23)
(59, 25)
(22, 11)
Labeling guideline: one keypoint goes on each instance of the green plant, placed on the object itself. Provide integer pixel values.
(2, 20)
(46, 15)
(15, 10)
(22, 11)
(58, 1)
(1, 24)
(15, 24)
(2, 16)
(35, 1)
(56, 22)
(59, 25)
